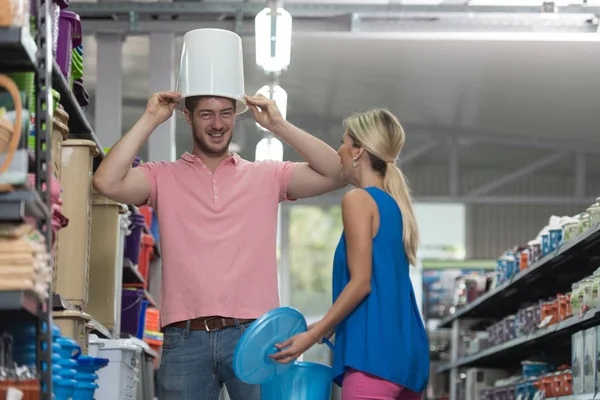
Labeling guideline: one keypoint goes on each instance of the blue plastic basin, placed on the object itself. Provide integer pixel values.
(303, 381)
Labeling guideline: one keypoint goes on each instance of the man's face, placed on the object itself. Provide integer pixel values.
(212, 122)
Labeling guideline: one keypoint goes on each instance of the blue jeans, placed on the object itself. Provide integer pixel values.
(196, 365)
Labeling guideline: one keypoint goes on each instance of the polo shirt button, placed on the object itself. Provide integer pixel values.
(216, 197)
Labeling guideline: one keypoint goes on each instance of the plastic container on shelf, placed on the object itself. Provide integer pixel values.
(142, 323)
(69, 37)
(134, 239)
(146, 211)
(152, 319)
(82, 96)
(146, 251)
(131, 305)
(74, 324)
(155, 341)
(106, 261)
(122, 372)
(60, 133)
(73, 255)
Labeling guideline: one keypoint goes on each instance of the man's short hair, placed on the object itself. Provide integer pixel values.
(192, 102)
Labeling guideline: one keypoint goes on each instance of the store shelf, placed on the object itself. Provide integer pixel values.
(131, 275)
(590, 396)
(20, 300)
(149, 298)
(556, 337)
(79, 126)
(100, 329)
(140, 343)
(16, 205)
(553, 274)
(60, 304)
(18, 50)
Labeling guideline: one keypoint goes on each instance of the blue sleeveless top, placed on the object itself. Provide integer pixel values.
(384, 336)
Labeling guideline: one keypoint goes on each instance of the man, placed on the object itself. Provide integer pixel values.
(218, 216)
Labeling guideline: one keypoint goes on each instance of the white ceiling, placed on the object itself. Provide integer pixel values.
(534, 89)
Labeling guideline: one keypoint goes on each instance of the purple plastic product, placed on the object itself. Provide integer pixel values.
(134, 239)
(131, 310)
(136, 162)
(80, 93)
(69, 37)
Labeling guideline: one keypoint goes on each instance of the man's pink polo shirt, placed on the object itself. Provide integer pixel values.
(218, 235)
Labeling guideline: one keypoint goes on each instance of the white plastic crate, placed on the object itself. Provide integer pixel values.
(119, 379)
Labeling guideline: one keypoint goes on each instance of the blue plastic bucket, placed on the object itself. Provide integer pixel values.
(294, 381)
(303, 381)
(84, 390)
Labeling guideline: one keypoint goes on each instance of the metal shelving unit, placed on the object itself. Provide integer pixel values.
(21, 52)
(555, 273)
(79, 126)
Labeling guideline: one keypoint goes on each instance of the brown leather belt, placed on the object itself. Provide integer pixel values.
(210, 324)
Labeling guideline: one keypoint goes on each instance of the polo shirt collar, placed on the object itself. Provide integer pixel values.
(234, 158)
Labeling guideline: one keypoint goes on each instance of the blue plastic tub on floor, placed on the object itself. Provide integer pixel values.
(84, 390)
(303, 381)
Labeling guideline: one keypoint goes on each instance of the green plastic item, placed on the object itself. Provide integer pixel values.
(25, 81)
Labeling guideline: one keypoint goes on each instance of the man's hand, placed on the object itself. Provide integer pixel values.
(265, 111)
(160, 106)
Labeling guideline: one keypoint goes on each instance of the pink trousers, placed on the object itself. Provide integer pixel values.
(362, 386)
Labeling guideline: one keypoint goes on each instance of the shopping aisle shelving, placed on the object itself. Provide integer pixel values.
(18, 50)
(79, 125)
(21, 301)
(513, 351)
(554, 273)
(14, 206)
(21, 52)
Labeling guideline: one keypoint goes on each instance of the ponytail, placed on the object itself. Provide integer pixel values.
(395, 184)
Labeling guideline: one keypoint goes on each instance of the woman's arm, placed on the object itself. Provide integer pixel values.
(322, 171)
(357, 214)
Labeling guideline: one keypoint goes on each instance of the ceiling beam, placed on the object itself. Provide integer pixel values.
(418, 152)
(313, 9)
(518, 174)
(416, 27)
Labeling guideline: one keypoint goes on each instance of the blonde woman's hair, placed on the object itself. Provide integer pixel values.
(379, 132)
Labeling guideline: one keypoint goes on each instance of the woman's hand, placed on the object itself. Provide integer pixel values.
(327, 335)
(296, 345)
(265, 111)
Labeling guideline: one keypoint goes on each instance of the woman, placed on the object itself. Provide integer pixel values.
(381, 349)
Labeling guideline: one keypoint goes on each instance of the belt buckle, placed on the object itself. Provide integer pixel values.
(210, 319)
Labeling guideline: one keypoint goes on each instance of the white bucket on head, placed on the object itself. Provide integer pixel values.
(212, 65)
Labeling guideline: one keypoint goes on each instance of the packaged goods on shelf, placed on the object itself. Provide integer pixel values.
(536, 377)
(14, 13)
(24, 260)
